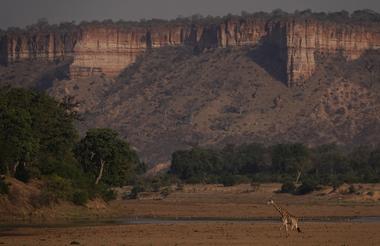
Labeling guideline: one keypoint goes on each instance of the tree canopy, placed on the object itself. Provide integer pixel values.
(325, 164)
(33, 126)
(107, 158)
(38, 140)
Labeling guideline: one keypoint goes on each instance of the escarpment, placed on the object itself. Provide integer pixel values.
(295, 43)
(305, 40)
(48, 45)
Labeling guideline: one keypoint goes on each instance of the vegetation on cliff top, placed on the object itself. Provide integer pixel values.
(364, 15)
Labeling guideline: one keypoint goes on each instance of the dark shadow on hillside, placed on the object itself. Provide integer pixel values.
(271, 54)
(268, 57)
(161, 59)
(368, 66)
(60, 72)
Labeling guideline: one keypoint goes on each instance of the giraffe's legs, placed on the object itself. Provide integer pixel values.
(286, 230)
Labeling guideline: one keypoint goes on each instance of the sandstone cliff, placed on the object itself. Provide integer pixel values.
(305, 40)
(45, 45)
(108, 49)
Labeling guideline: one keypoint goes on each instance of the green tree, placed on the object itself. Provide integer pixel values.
(198, 165)
(330, 163)
(291, 159)
(359, 167)
(251, 158)
(374, 162)
(17, 143)
(107, 158)
(33, 128)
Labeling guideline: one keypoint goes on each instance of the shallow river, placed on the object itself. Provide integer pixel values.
(185, 220)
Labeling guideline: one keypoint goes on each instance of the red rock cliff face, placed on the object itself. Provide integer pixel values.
(109, 49)
(306, 39)
(42, 45)
(106, 50)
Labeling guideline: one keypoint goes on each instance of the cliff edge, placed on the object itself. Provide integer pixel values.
(108, 48)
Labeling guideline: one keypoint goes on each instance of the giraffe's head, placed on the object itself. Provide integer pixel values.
(270, 202)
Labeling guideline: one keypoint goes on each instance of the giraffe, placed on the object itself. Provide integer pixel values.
(287, 218)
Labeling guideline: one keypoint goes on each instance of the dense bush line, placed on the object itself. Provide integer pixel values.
(287, 163)
(38, 140)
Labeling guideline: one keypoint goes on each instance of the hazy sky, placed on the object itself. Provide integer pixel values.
(24, 12)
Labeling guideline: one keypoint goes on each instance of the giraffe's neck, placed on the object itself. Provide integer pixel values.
(281, 211)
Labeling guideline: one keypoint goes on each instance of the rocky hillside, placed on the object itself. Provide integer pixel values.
(172, 85)
(172, 99)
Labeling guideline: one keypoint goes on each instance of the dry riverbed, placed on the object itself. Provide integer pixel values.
(244, 205)
(209, 233)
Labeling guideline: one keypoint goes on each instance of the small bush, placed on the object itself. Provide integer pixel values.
(288, 187)
(80, 198)
(352, 189)
(195, 180)
(228, 180)
(165, 192)
(108, 195)
(307, 187)
(22, 174)
(44, 199)
(56, 188)
(4, 187)
(336, 183)
(136, 190)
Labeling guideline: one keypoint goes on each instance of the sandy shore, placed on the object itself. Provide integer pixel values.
(214, 233)
(210, 201)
